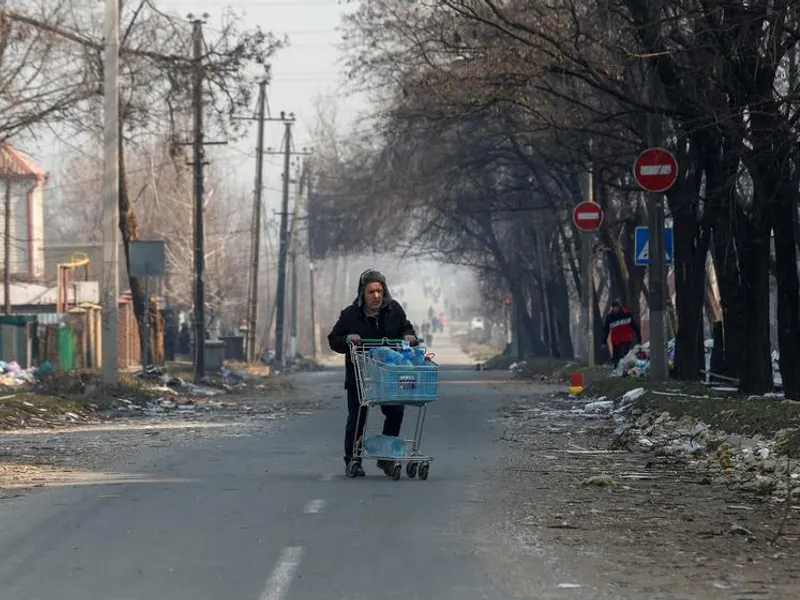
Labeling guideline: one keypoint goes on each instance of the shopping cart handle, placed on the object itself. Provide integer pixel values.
(390, 341)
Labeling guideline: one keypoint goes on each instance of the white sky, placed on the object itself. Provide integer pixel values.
(301, 73)
(307, 69)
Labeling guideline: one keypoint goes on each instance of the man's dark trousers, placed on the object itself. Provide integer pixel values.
(391, 425)
(619, 352)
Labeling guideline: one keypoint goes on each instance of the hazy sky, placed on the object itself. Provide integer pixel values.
(301, 73)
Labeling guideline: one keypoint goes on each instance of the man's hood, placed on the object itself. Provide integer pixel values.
(359, 299)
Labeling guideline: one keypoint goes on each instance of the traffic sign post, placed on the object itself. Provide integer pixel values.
(656, 170)
(588, 217)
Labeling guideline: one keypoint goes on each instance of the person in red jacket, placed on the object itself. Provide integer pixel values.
(623, 328)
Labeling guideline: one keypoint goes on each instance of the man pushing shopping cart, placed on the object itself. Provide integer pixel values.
(372, 319)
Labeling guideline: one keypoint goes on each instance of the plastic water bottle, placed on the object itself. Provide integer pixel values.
(419, 356)
(398, 447)
(385, 445)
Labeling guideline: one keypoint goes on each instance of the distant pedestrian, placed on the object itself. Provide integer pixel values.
(623, 328)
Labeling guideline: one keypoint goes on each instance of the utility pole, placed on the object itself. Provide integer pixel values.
(298, 202)
(7, 246)
(312, 292)
(255, 247)
(313, 300)
(657, 284)
(199, 234)
(283, 244)
(110, 281)
(587, 260)
(283, 250)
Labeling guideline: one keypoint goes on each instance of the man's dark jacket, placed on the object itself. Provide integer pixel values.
(391, 322)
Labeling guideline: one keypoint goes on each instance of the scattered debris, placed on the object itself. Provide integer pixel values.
(691, 511)
(600, 406)
(599, 480)
(636, 363)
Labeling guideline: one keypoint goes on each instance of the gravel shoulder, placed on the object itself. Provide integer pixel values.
(623, 524)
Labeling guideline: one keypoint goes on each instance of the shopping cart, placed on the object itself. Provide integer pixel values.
(382, 384)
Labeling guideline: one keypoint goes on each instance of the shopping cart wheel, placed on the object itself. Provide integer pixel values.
(423, 471)
(411, 470)
(397, 470)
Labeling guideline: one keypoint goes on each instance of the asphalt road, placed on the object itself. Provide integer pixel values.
(270, 517)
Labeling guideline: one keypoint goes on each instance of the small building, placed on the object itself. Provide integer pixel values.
(22, 182)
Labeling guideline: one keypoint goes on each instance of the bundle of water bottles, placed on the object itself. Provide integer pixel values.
(404, 374)
(405, 357)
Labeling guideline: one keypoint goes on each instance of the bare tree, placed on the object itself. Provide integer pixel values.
(155, 74)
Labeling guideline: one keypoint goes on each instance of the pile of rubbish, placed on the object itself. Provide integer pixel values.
(170, 384)
(756, 463)
(13, 375)
(637, 362)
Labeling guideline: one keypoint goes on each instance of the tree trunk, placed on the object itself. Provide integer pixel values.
(127, 228)
(536, 332)
(788, 293)
(755, 367)
(691, 241)
(729, 226)
(690, 274)
(561, 316)
(601, 352)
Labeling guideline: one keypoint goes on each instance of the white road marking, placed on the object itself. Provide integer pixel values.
(314, 506)
(281, 578)
(327, 477)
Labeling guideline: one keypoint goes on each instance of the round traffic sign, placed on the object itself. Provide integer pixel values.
(655, 170)
(588, 216)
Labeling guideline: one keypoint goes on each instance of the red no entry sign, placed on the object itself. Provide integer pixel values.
(655, 170)
(587, 216)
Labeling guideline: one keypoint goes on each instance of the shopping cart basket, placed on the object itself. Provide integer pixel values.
(381, 382)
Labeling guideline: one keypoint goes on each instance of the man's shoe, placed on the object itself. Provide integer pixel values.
(385, 466)
(354, 469)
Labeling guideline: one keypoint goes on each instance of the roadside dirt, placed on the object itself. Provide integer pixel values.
(630, 525)
(67, 441)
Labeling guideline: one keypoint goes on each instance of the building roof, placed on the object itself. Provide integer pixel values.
(33, 294)
(16, 162)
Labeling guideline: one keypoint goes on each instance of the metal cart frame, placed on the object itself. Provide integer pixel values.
(380, 384)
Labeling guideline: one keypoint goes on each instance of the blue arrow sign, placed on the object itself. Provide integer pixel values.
(642, 246)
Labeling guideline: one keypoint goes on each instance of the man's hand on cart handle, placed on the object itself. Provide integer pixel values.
(411, 339)
(353, 338)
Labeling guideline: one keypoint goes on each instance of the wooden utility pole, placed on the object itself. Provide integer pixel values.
(293, 243)
(199, 234)
(312, 292)
(7, 246)
(255, 243)
(110, 282)
(283, 244)
(283, 250)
